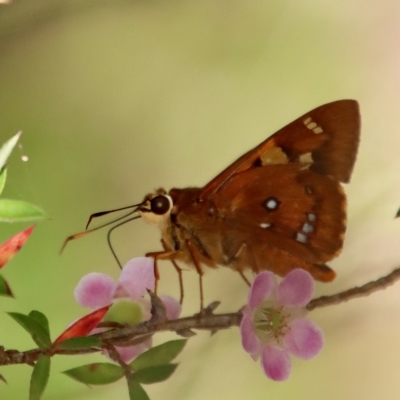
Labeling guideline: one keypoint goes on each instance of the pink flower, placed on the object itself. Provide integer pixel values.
(273, 326)
(129, 306)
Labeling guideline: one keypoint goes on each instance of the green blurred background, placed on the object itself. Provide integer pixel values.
(116, 98)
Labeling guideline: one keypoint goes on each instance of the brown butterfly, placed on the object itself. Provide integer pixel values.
(278, 207)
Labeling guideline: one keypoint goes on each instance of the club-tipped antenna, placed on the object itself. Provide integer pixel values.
(84, 233)
(101, 213)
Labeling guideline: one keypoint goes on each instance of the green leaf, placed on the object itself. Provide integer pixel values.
(19, 211)
(154, 374)
(96, 373)
(41, 319)
(2, 378)
(3, 178)
(136, 392)
(80, 342)
(5, 289)
(39, 378)
(35, 329)
(162, 354)
(7, 148)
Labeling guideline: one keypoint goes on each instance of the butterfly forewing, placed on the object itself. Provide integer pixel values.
(329, 134)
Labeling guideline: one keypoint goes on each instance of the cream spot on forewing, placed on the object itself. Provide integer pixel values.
(312, 125)
(306, 158)
(275, 155)
(265, 225)
(301, 237)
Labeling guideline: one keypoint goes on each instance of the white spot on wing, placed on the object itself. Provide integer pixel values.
(301, 237)
(265, 225)
(307, 121)
(271, 204)
(311, 217)
(308, 228)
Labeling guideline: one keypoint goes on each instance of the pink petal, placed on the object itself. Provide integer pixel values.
(127, 354)
(296, 289)
(173, 306)
(250, 342)
(276, 363)
(136, 277)
(263, 286)
(95, 290)
(305, 339)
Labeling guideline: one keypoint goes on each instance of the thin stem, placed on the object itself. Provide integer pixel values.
(358, 291)
(127, 336)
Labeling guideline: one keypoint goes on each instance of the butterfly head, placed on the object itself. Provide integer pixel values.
(156, 208)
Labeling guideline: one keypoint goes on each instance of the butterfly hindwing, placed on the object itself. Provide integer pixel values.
(283, 215)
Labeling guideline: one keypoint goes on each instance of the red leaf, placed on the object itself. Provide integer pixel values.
(83, 326)
(11, 246)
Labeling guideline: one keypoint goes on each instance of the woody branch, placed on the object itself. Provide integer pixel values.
(126, 336)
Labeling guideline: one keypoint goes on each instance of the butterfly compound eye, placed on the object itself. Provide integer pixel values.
(160, 205)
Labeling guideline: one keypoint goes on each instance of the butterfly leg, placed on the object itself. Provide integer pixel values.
(196, 263)
(245, 253)
(244, 278)
(160, 255)
(179, 271)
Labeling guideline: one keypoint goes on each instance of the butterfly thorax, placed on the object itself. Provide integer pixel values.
(188, 222)
(194, 223)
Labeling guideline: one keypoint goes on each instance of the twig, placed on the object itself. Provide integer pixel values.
(358, 291)
(126, 336)
(113, 353)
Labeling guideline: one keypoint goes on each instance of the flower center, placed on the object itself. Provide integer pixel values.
(270, 322)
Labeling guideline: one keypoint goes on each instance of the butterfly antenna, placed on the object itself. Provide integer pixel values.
(109, 237)
(101, 213)
(84, 233)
